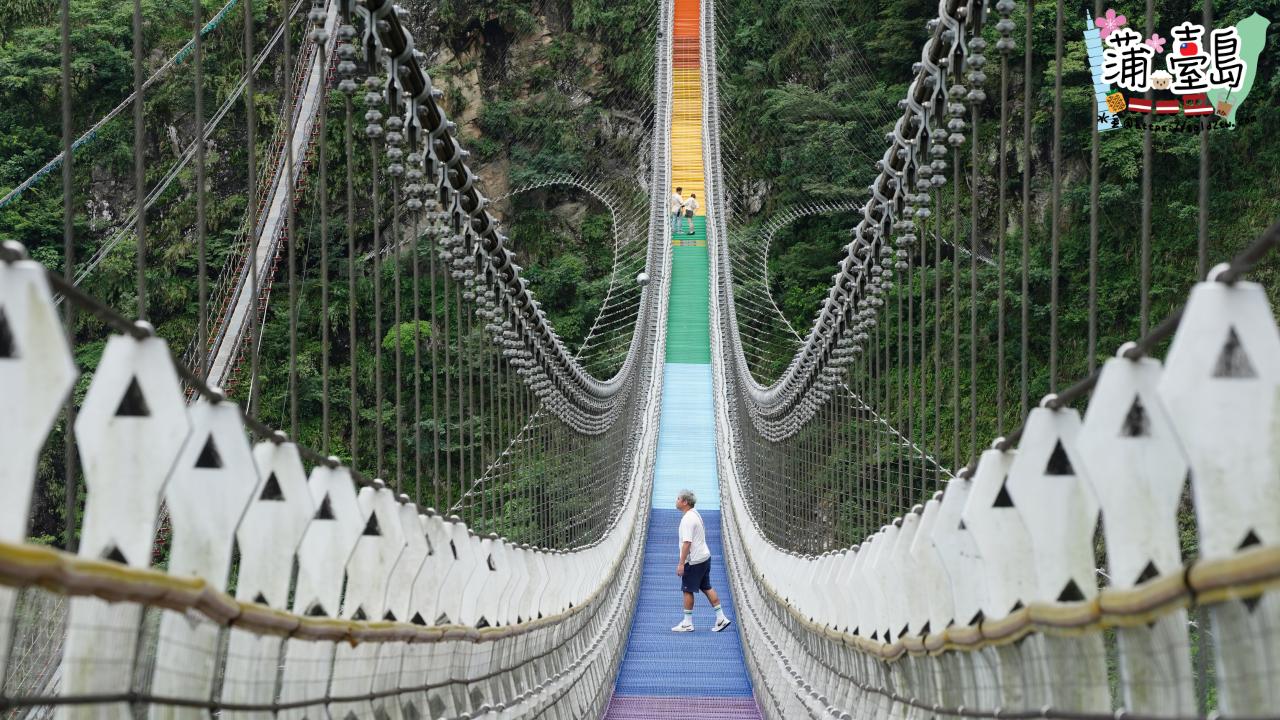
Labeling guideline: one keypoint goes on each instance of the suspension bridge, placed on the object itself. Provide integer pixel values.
(464, 515)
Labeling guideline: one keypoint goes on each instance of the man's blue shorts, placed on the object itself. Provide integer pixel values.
(696, 577)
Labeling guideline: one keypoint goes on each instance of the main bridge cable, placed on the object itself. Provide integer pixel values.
(584, 398)
(502, 459)
(777, 223)
(781, 399)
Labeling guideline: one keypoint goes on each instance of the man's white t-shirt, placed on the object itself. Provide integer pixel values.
(693, 532)
(677, 202)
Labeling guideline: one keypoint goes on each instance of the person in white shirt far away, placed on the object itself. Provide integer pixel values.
(694, 567)
(690, 208)
(677, 207)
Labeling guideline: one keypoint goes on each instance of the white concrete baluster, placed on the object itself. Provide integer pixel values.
(1137, 470)
(212, 484)
(426, 663)
(129, 431)
(1220, 388)
(965, 677)
(392, 656)
(268, 539)
(36, 373)
(1009, 571)
(1058, 508)
(458, 593)
(933, 580)
(322, 560)
(959, 552)
(381, 543)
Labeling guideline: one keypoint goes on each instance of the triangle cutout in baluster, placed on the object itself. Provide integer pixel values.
(134, 403)
(371, 528)
(325, 511)
(209, 458)
(360, 614)
(113, 553)
(1071, 593)
(417, 619)
(1059, 463)
(1002, 498)
(1148, 573)
(271, 489)
(1136, 423)
(1233, 361)
(8, 345)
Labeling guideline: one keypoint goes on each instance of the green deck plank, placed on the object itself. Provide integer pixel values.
(688, 324)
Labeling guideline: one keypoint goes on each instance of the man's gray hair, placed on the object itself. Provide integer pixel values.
(688, 497)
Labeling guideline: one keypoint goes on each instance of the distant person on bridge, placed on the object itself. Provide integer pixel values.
(690, 207)
(694, 568)
(677, 207)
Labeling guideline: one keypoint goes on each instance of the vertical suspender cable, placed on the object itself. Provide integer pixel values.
(323, 191)
(937, 317)
(399, 352)
(291, 227)
(139, 161)
(922, 428)
(1145, 271)
(1202, 255)
(1002, 227)
(378, 446)
(202, 281)
(251, 221)
(957, 459)
(69, 541)
(435, 365)
(973, 275)
(1055, 235)
(1026, 206)
(1093, 224)
(417, 359)
(353, 354)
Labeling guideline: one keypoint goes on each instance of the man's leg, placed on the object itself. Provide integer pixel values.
(686, 624)
(722, 620)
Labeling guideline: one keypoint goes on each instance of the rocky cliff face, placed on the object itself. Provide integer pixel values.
(530, 92)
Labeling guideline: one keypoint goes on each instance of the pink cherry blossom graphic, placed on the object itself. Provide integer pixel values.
(1155, 41)
(1110, 23)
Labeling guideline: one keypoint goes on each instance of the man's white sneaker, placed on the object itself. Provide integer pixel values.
(683, 627)
(721, 624)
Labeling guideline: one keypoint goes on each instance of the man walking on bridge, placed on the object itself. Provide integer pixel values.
(677, 207)
(694, 568)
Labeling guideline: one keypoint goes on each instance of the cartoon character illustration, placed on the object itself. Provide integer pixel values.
(1161, 80)
(1115, 102)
